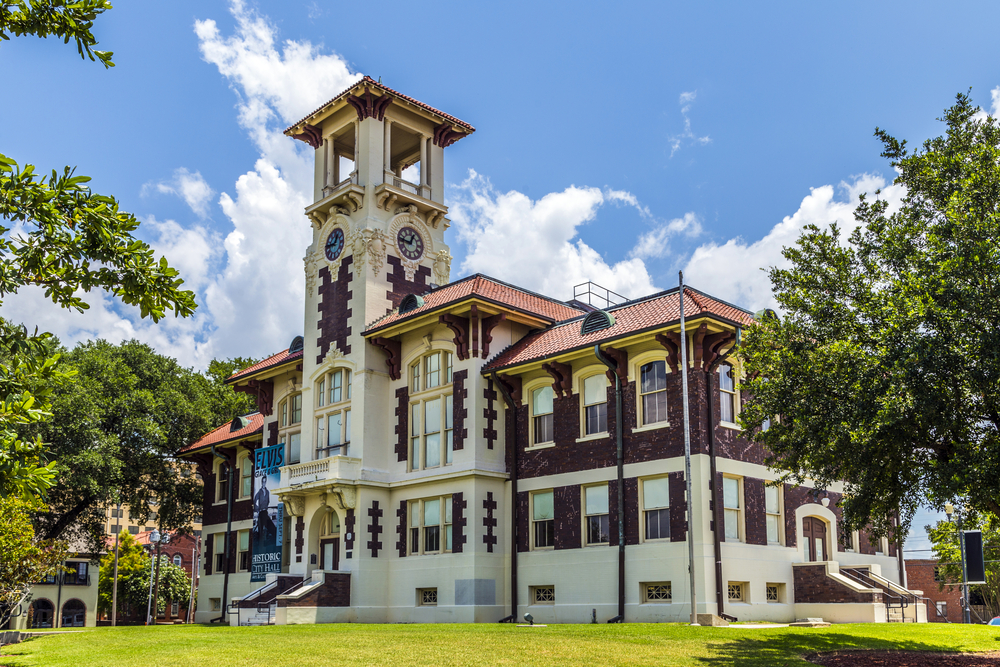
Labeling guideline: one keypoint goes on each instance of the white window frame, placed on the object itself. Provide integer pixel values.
(646, 588)
(732, 395)
(641, 362)
(645, 509)
(219, 549)
(736, 511)
(288, 428)
(533, 521)
(603, 490)
(178, 557)
(533, 440)
(330, 405)
(778, 516)
(418, 373)
(418, 528)
(240, 461)
(221, 493)
(240, 550)
(419, 437)
(588, 374)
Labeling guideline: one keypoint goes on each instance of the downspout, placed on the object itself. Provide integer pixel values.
(229, 529)
(513, 501)
(613, 367)
(716, 534)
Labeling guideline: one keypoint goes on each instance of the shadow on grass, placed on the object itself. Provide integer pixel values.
(785, 649)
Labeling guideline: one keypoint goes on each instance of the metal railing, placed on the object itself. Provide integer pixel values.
(594, 295)
(405, 185)
(892, 600)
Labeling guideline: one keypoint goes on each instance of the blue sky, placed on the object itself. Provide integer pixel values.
(635, 139)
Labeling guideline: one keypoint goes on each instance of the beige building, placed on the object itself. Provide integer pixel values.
(471, 451)
(66, 600)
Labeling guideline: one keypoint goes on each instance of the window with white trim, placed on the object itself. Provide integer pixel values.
(430, 526)
(595, 404)
(427, 597)
(733, 507)
(431, 411)
(178, 560)
(657, 592)
(246, 476)
(595, 500)
(727, 394)
(772, 512)
(542, 520)
(289, 428)
(542, 418)
(221, 485)
(656, 508)
(431, 371)
(653, 392)
(333, 414)
(244, 550)
(543, 595)
(219, 547)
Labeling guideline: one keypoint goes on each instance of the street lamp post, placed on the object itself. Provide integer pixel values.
(155, 536)
(949, 509)
(114, 589)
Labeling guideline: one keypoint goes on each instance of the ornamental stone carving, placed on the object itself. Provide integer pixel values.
(369, 247)
(442, 267)
(345, 496)
(409, 268)
(294, 505)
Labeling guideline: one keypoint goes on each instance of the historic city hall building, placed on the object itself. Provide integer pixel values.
(431, 450)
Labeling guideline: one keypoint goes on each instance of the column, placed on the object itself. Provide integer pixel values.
(423, 161)
(335, 158)
(387, 160)
(329, 160)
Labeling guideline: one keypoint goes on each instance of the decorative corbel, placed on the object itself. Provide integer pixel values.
(713, 347)
(318, 219)
(295, 505)
(474, 328)
(460, 327)
(699, 338)
(562, 377)
(672, 341)
(512, 383)
(348, 496)
(368, 106)
(310, 134)
(263, 393)
(357, 201)
(488, 325)
(394, 350)
(621, 361)
(434, 217)
(445, 135)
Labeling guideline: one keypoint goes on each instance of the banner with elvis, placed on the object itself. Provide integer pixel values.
(268, 512)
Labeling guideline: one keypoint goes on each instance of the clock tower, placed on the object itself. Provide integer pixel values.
(378, 220)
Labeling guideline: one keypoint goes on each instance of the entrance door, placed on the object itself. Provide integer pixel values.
(814, 534)
(329, 553)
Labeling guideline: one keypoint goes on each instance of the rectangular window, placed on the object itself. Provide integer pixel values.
(175, 608)
(596, 514)
(775, 593)
(427, 597)
(543, 595)
(542, 401)
(221, 493)
(731, 502)
(246, 477)
(296, 409)
(430, 526)
(219, 546)
(431, 432)
(542, 520)
(595, 404)
(656, 508)
(294, 448)
(449, 426)
(415, 377)
(216, 604)
(942, 609)
(134, 530)
(336, 387)
(115, 529)
(284, 414)
(737, 592)
(334, 432)
(772, 508)
(432, 370)
(415, 458)
(653, 392)
(727, 393)
(321, 393)
(244, 550)
(656, 592)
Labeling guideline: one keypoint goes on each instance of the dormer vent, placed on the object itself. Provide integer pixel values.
(296, 345)
(410, 302)
(239, 423)
(595, 321)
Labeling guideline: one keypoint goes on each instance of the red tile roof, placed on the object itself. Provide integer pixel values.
(278, 359)
(372, 83)
(487, 289)
(651, 312)
(224, 433)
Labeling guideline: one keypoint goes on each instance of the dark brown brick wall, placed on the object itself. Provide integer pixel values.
(813, 586)
(334, 313)
(300, 540)
(458, 522)
(401, 529)
(212, 513)
(678, 507)
(490, 412)
(400, 285)
(349, 522)
(568, 455)
(402, 423)
(335, 591)
(209, 554)
(489, 522)
(272, 433)
(374, 529)
(458, 410)
(523, 521)
(631, 511)
(566, 505)
(756, 516)
(794, 497)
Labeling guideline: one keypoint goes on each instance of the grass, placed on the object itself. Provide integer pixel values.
(493, 644)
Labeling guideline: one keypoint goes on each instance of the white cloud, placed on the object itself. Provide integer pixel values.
(656, 242)
(534, 244)
(191, 187)
(687, 136)
(735, 270)
(994, 106)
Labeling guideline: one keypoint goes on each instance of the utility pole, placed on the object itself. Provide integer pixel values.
(949, 509)
(114, 586)
(156, 591)
(687, 456)
(195, 569)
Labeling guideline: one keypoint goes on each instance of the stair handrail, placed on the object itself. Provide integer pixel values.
(857, 575)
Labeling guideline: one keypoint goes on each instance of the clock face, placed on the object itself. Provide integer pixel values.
(334, 244)
(411, 246)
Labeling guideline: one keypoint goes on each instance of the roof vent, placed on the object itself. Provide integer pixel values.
(597, 320)
(295, 345)
(239, 423)
(766, 314)
(410, 302)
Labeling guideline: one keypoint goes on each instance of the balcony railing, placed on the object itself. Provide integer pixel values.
(405, 185)
(351, 179)
(330, 468)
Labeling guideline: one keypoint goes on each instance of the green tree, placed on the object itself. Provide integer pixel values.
(944, 541)
(24, 559)
(57, 234)
(228, 403)
(885, 367)
(133, 561)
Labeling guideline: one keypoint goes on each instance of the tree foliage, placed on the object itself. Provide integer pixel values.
(24, 559)
(55, 233)
(947, 551)
(885, 367)
(134, 579)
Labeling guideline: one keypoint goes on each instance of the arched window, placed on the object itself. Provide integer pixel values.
(41, 613)
(74, 614)
(178, 560)
(290, 427)
(333, 420)
(431, 408)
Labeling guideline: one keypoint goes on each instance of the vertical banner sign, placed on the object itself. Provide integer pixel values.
(975, 563)
(268, 512)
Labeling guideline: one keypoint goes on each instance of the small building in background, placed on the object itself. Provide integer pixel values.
(65, 600)
(943, 600)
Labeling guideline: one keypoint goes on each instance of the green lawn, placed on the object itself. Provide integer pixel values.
(495, 644)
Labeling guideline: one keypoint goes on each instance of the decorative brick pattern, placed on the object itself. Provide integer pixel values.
(400, 285)
(402, 423)
(458, 410)
(401, 529)
(568, 455)
(490, 412)
(210, 557)
(566, 506)
(334, 592)
(349, 522)
(374, 529)
(631, 511)
(813, 586)
(678, 507)
(523, 523)
(794, 497)
(755, 516)
(334, 314)
(300, 528)
(272, 434)
(489, 522)
(458, 522)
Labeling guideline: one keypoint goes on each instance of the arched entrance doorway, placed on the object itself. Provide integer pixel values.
(329, 542)
(42, 612)
(814, 532)
(74, 614)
